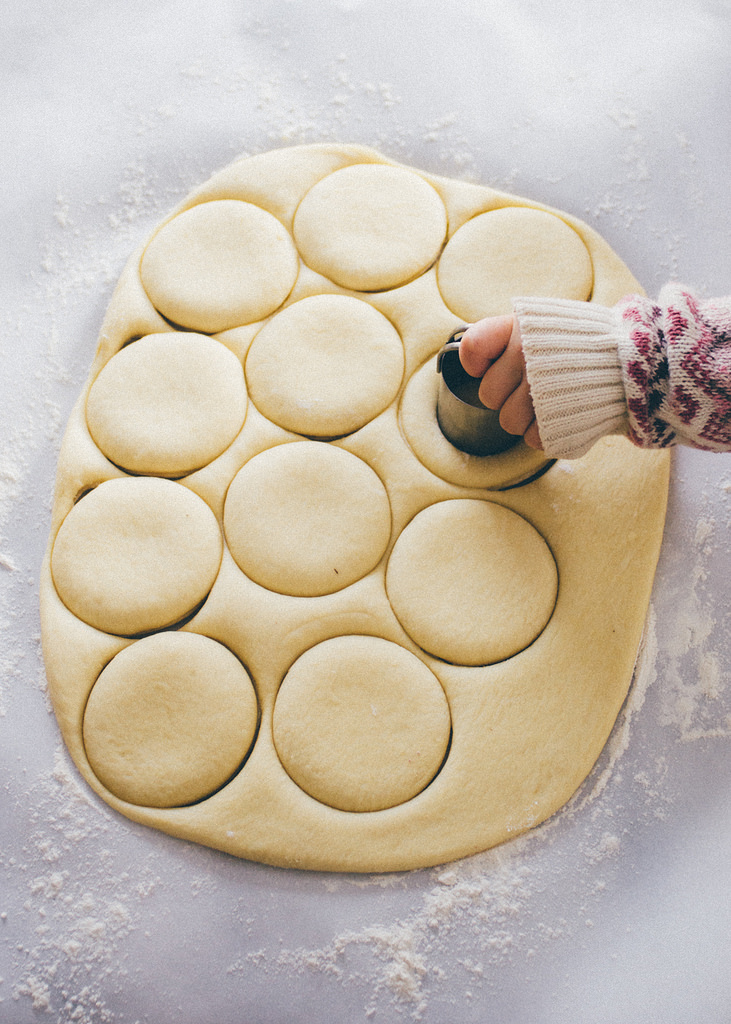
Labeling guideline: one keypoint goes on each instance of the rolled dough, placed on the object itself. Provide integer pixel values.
(218, 265)
(332, 641)
(170, 720)
(515, 250)
(471, 582)
(370, 226)
(136, 554)
(306, 519)
(167, 404)
(361, 724)
(344, 365)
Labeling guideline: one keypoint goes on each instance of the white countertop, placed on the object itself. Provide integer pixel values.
(618, 909)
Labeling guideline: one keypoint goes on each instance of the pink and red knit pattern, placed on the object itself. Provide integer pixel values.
(677, 370)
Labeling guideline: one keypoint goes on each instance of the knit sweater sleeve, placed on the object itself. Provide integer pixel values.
(658, 372)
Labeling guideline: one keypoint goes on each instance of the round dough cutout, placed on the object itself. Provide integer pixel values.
(370, 227)
(170, 720)
(136, 554)
(167, 404)
(306, 519)
(509, 252)
(471, 582)
(325, 366)
(218, 265)
(361, 724)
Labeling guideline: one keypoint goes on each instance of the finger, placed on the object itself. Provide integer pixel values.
(501, 379)
(483, 342)
(532, 437)
(516, 414)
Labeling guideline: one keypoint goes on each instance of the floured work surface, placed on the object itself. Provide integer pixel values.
(282, 616)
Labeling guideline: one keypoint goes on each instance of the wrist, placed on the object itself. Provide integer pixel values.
(573, 370)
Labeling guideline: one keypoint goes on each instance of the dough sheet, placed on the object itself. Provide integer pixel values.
(282, 615)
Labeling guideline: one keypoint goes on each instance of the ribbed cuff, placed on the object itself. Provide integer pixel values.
(574, 373)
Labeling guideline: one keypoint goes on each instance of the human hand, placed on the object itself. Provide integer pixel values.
(492, 349)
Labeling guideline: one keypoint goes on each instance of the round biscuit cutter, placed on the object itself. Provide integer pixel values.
(463, 419)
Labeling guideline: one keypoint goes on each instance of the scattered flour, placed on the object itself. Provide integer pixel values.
(488, 905)
(696, 701)
(79, 918)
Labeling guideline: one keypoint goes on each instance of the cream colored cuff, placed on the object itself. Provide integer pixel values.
(574, 374)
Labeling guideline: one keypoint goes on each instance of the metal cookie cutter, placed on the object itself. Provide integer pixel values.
(463, 419)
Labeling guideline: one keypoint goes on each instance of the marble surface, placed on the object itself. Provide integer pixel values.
(618, 909)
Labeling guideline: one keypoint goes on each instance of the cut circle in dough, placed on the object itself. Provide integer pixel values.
(361, 724)
(471, 582)
(167, 404)
(508, 252)
(370, 227)
(306, 518)
(325, 366)
(169, 720)
(218, 265)
(418, 418)
(136, 554)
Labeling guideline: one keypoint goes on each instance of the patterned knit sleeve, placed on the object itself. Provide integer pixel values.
(659, 372)
(676, 368)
